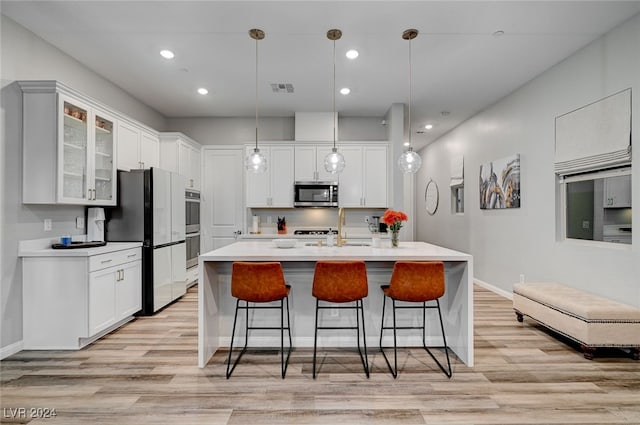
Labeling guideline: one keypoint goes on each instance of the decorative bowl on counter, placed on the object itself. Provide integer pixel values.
(285, 243)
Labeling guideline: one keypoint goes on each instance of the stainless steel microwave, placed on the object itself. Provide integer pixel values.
(315, 194)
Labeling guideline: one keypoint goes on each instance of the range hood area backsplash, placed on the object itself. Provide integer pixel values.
(305, 218)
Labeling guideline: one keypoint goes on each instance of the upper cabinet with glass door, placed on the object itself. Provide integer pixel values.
(69, 147)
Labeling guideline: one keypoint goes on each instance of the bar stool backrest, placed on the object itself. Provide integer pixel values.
(417, 281)
(258, 282)
(340, 281)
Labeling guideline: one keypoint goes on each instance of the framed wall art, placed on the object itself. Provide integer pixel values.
(500, 183)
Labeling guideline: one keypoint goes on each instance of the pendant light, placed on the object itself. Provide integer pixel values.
(334, 161)
(409, 161)
(256, 162)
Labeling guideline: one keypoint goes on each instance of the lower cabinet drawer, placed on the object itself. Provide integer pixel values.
(103, 261)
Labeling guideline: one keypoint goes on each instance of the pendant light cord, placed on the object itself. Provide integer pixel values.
(410, 146)
(256, 93)
(334, 94)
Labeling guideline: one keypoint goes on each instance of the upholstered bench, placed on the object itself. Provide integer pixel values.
(588, 319)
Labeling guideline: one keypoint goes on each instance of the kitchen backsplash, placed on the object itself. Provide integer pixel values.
(311, 218)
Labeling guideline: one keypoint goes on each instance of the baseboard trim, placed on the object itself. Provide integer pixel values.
(494, 289)
(10, 350)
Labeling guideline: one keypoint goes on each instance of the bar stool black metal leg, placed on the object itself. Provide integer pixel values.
(284, 363)
(315, 342)
(365, 362)
(230, 368)
(444, 340)
(393, 371)
(395, 341)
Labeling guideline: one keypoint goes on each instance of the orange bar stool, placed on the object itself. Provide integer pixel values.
(416, 282)
(339, 282)
(259, 283)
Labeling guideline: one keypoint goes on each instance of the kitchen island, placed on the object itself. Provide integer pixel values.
(216, 305)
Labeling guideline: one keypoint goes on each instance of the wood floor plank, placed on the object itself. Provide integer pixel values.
(146, 373)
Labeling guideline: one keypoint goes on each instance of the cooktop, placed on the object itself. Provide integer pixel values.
(314, 232)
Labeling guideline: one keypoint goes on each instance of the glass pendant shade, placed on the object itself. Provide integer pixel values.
(256, 162)
(334, 162)
(409, 161)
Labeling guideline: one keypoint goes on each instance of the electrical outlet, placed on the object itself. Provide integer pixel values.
(585, 224)
(334, 312)
(47, 225)
(366, 218)
(79, 222)
(521, 278)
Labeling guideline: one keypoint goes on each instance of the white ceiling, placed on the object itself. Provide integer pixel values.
(458, 65)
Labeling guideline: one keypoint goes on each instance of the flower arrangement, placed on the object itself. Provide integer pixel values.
(394, 219)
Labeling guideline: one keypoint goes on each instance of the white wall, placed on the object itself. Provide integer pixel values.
(240, 130)
(507, 243)
(27, 57)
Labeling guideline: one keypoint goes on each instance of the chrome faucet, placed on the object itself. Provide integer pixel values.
(341, 220)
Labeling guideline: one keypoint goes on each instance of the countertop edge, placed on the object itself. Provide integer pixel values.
(79, 252)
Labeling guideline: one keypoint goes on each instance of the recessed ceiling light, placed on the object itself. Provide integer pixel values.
(345, 90)
(203, 91)
(352, 54)
(167, 54)
(428, 126)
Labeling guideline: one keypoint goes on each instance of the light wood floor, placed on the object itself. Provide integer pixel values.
(146, 373)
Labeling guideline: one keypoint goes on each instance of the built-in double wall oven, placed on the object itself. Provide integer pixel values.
(192, 215)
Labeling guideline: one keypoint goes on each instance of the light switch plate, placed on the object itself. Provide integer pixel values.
(47, 225)
(79, 222)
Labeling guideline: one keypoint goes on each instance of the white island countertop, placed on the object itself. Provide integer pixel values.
(267, 251)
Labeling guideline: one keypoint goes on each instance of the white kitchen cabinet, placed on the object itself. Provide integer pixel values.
(149, 150)
(363, 182)
(68, 147)
(617, 192)
(273, 188)
(102, 299)
(180, 154)
(137, 147)
(114, 294)
(70, 300)
(309, 163)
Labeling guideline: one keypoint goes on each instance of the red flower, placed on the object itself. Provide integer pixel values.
(394, 219)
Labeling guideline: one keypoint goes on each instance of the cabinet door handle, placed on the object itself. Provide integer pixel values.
(106, 261)
(131, 255)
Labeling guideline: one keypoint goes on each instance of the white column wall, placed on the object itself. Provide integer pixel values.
(507, 243)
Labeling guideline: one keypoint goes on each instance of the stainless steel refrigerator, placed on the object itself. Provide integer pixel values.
(151, 210)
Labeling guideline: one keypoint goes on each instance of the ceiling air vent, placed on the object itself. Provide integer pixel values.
(282, 87)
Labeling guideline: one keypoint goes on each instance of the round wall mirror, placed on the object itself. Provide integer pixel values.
(431, 197)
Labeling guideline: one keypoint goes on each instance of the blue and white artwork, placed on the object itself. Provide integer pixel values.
(500, 183)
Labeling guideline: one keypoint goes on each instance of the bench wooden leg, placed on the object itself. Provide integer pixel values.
(588, 352)
(519, 316)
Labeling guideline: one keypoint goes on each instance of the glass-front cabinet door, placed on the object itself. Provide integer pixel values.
(87, 175)
(73, 183)
(103, 158)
